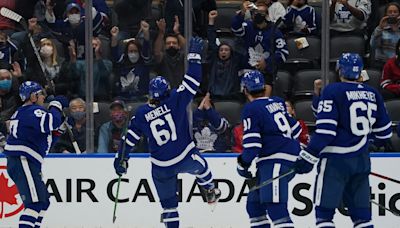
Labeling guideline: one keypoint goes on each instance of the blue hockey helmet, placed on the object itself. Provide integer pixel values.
(350, 66)
(158, 88)
(252, 81)
(27, 88)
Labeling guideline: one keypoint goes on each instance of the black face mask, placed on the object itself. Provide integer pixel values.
(171, 51)
(258, 18)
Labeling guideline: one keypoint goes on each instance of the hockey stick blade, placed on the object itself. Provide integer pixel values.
(5, 12)
(385, 208)
(269, 181)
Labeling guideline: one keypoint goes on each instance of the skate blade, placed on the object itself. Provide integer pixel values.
(213, 205)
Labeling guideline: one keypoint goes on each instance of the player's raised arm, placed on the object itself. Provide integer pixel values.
(192, 79)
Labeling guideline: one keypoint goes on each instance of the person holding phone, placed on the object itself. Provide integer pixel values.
(385, 36)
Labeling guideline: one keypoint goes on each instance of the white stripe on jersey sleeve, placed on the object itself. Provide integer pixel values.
(251, 135)
(325, 132)
(192, 91)
(192, 80)
(326, 121)
(382, 128)
(249, 145)
(134, 135)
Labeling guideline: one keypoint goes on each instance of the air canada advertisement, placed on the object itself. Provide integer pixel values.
(83, 191)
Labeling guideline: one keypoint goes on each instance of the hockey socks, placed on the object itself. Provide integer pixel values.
(170, 217)
(28, 218)
(260, 222)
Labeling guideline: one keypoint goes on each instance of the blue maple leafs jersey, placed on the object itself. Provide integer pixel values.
(348, 113)
(31, 129)
(269, 132)
(258, 42)
(296, 18)
(166, 126)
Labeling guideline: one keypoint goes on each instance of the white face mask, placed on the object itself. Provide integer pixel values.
(133, 57)
(74, 18)
(46, 51)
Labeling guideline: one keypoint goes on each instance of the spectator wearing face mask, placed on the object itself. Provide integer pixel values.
(132, 67)
(111, 132)
(10, 80)
(169, 53)
(265, 43)
(73, 27)
(56, 68)
(77, 123)
(225, 63)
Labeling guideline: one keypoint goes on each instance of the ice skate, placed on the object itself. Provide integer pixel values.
(212, 196)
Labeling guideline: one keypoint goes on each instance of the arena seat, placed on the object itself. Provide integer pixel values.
(303, 82)
(393, 108)
(341, 44)
(304, 111)
(282, 84)
(230, 110)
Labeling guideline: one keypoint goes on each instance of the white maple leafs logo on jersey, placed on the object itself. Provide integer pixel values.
(299, 24)
(256, 54)
(131, 80)
(205, 139)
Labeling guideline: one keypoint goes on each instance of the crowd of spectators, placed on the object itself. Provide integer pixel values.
(134, 41)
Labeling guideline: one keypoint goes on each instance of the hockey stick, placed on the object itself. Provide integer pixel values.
(72, 137)
(269, 181)
(119, 178)
(5, 12)
(385, 177)
(385, 208)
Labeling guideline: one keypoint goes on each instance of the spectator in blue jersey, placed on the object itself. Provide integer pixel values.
(300, 18)
(164, 122)
(10, 79)
(349, 16)
(225, 63)
(269, 136)
(76, 121)
(385, 36)
(102, 69)
(132, 67)
(349, 113)
(31, 128)
(265, 43)
(73, 27)
(210, 130)
(8, 49)
(169, 54)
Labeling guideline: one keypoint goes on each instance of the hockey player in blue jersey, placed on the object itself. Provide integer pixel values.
(164, 121)
(270, 134)
(265, 44)
(349, 112)
(31, 128)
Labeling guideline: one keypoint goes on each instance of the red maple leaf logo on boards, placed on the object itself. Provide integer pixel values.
(7, 194)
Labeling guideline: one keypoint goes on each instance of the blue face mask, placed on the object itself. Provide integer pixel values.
(5, 84)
